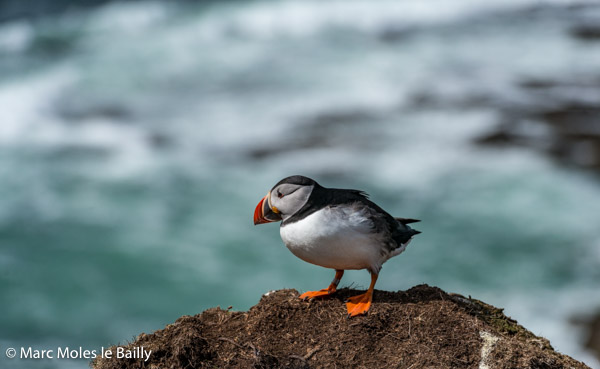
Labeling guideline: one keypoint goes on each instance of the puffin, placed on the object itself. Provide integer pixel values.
(340, 229)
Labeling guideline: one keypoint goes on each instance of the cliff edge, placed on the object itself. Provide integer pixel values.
(423, 327)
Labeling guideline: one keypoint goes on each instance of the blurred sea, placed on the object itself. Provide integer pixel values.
(136, 139)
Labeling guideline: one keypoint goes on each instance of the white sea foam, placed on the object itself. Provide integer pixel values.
(15, 36)
(292, 18)
(128, 18)
(25, 100)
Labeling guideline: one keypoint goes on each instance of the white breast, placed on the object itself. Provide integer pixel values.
(335, 237)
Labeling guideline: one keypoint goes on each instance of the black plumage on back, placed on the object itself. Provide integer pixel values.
(322, 197)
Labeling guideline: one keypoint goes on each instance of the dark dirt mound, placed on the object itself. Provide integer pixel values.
(423, 327)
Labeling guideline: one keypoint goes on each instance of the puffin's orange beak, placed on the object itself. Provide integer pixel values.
(263, 212)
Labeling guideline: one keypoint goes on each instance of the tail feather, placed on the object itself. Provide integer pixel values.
(404, 233)
(406, 221)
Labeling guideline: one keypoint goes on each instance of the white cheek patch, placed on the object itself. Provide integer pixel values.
(292, 202)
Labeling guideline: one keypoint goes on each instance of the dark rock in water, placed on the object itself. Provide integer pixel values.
(394, 34)
(76, 111)
(295, 144)
(334, 118)
(592, 341)
(586, 32)
(574, 118)
(548, 84)
(160, 140)
(504, 137)
(568, 110)
(324, 130)
(590, 327)
(423, 327)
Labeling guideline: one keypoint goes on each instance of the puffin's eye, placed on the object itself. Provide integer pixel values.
(279, 194)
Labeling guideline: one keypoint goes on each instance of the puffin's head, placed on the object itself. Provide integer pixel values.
(285, 198)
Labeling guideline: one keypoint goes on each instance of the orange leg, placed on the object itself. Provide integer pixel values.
(327, 291)
(360, 304)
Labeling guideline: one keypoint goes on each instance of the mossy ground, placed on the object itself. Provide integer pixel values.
(423, 327)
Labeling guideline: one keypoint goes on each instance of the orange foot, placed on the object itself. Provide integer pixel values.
(326, 291)
(360, 304)
(309, 295)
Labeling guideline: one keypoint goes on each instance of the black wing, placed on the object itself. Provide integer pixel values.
(321, 197)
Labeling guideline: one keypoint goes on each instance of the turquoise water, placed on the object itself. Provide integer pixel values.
(136, 140)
